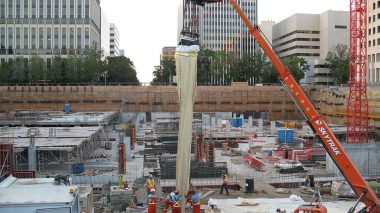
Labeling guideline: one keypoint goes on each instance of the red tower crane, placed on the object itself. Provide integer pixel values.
(357, 104)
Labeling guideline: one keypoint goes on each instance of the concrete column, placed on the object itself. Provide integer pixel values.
(32, 160)
(261, 124)
(273, 126)
(250, 122)
(127, 142)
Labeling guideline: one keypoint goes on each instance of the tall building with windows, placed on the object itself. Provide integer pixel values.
(220, 28)
(48, 28)
(312, 36)
(373, 75)
(105, 34)
(114, 41)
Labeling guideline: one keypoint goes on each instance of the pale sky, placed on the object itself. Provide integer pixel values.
(146, 26)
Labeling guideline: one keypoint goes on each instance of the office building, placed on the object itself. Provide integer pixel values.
(266, 28)
(48, 28)
(105, 34)
(373, 42)
(114, 41)
(312, 36)
(167, 52)
(220, 28)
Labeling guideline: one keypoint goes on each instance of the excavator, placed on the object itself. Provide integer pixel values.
(364, 192)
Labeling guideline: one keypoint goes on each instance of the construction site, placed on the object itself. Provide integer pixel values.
(183, 148)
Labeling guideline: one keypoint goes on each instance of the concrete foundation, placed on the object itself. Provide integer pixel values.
(366, 157)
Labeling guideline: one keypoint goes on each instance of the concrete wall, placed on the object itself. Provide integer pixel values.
(236, 98)
(366, 157)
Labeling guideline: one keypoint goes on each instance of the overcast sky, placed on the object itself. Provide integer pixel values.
(147, 26)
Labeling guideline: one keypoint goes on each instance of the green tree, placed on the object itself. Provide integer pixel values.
(19, 70)
(205, 58)
(297, 66)
(338, 63)
(5, 71)
(37, 69)
(93, 64)
(121, 70)
(165, 71)
(57, 69)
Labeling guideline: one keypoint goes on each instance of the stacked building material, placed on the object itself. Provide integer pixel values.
(254, 162)
(120, 198)
(131, 132)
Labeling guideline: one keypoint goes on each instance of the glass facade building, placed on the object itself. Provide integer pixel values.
(48, 28)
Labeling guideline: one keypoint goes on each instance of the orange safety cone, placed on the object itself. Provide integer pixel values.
(152, 207)
(197, 207)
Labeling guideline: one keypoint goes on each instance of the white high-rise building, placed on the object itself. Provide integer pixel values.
(105, 35)
(312, 36)
(267, 29)
(220, 28)
(48, 28)
(373, 42)
(114, 41)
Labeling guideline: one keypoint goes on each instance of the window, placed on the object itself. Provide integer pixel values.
(378, 16)
(72, 38)
(48, 36)
(18, 8)
(340, 27)
(369, 31)
(374, 30)
(56, 9)
(2, 9)
(72, 12)
(112, 34)
(374, 42)
(26, 31)
(369, 43)
(2, 38)
(378, 4)
(10, 38)
(79, 38)
(378, 28)
(26, 8)
(377, 75)
(18, 38)
(41, 10)
(34, 8)
(373, 18)
(56, 38)
(87, 38)
(64, 9)
(369, 19)
(80, 9)
(87, 8)
(377, 57)
(374, 6)
(64, 40)
(10, 8)
(41, 38)
(34, 38)
(48, 9)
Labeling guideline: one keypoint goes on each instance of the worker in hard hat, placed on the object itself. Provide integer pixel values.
(152, 200)
(224, 184)
(150, 184)
(173, 200)
(190, 194)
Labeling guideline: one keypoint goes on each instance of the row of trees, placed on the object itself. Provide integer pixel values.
(217, 67)
(89, 68)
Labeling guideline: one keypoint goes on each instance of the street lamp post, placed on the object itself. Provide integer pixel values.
(104, 75)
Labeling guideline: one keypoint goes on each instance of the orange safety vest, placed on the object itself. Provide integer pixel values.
(176, 204)
(225, 180)
(150, 183)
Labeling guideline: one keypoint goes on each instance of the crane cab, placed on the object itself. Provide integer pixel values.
(318, 208)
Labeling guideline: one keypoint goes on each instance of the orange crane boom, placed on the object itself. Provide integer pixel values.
(316, 122)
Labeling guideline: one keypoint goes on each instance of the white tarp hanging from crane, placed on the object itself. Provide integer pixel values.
(186, 64)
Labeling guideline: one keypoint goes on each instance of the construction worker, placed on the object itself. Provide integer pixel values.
(224, 184)
(190, 194)
(150, 184)
(173, 200)
(152, 201)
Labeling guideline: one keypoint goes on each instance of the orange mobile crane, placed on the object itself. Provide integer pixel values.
(316, 122)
